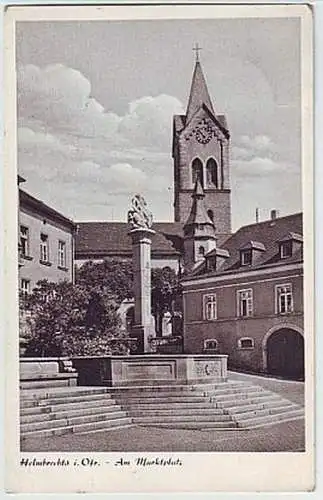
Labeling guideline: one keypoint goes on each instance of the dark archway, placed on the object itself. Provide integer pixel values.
(212, 173)
(285, 354)
(197, 171)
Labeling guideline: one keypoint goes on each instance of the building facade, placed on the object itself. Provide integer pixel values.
(246, 300)
(46, 243)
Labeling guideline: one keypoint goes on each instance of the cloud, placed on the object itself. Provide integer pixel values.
(59, 98)
(258, 142)
(78, 148)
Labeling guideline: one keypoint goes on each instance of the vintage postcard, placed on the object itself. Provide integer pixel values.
(159, 237)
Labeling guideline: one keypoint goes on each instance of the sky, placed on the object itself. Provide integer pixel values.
(96, 101)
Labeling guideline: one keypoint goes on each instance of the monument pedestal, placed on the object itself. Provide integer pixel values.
(143, 328)
(151, 370)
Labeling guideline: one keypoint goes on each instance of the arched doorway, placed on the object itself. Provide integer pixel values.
(285, 353)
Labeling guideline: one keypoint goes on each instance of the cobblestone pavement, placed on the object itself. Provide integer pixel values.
(287, 436)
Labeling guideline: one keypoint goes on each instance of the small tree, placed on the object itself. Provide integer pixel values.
(67, 319)
(112, 277)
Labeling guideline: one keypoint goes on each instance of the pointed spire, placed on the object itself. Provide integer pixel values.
(198, 214)
(199, 93)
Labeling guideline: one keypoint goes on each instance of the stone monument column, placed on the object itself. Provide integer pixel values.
(140, 220)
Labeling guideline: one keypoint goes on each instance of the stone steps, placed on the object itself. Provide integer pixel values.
(53, 414)
(240, 405)
(162, 400)
(59, 411)
(63, 392)
(273, 403)
(60, 407)
(40, 384)
(180, 413)
(118, 423)
(222, 419)
(271, 418)
(193, 405)
(235, 403)
(39, 401)
(70, 421)
(195, 425)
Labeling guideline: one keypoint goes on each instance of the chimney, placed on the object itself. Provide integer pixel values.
(257, 215)
(274, 214)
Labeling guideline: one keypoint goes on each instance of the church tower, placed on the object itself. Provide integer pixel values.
(201, 142)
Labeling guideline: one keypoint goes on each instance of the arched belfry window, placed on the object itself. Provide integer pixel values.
(197, 171)
(212, 173)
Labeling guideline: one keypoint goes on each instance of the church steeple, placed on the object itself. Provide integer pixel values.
(199, 230)
(199, 93)
(198, 214)
(201, 149)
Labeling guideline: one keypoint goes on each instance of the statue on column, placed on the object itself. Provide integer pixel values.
(139, 216)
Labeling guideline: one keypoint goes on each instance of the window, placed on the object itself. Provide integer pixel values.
(62, 254)
(246, 343)
(211, 214)
(210, 344)
(197, 171)
(24, 241)
(201, 251)
(284, 299)
(286, 249)
(44, 254)
(246, 257)
(25, 286)
(245, 303)
(212, 173)
(210, 308)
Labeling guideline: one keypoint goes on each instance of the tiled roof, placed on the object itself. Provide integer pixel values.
(106, 239)
(269, 234)
(96, 239)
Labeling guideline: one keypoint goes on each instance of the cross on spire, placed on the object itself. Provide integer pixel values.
(196, 49)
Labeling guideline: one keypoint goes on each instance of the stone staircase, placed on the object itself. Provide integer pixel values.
(61, 410)
(230, 405)
(225, 406)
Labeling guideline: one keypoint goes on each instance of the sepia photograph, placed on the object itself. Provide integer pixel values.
(162, 167)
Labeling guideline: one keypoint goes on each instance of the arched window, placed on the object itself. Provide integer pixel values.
(211, 214)
(197, 171)
(201, 251)
(212, 173)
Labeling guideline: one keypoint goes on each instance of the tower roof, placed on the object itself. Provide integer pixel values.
(198, 213)
(199, 93)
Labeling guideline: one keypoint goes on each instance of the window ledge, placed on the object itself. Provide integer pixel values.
(45, 263)
(246, 348)
(62, 268)
(26, 257)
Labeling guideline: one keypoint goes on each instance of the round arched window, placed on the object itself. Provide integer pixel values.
(212, 173)
(197, 171)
